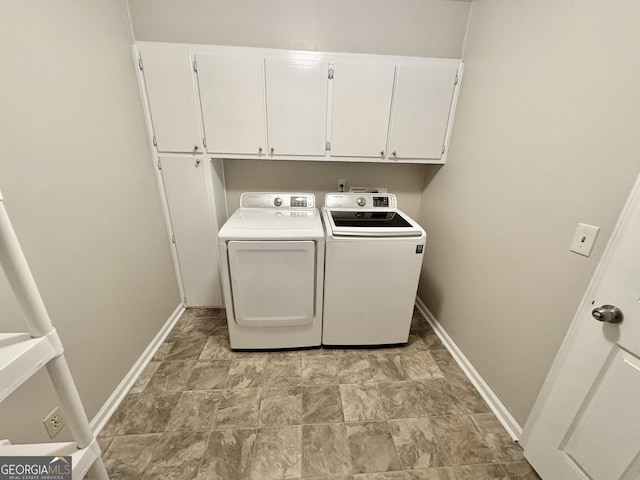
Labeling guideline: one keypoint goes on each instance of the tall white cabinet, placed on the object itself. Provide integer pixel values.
(191, 183)
(188, 186)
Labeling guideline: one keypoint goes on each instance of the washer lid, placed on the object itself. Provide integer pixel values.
(273, 224)
(367, 215)
(370, 219)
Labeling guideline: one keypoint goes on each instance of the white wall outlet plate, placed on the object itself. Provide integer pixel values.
(54, 422)
(583, 239)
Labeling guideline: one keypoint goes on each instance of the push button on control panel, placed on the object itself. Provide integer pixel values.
(299, 202)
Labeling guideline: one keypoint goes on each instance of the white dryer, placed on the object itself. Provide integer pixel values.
(272, 268)
(373, 260)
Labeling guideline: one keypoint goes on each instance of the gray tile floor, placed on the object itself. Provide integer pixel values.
(201, 411)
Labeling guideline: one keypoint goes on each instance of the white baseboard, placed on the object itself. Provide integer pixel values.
(497, 407)
(112, 403)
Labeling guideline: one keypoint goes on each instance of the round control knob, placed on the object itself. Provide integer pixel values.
(361, 201)
(277, 202)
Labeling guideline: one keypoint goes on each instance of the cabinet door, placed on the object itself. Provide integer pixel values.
(233, 108)
(421, 110)
(173, 101)
(296, 106)
(360, 109)
(186, 186)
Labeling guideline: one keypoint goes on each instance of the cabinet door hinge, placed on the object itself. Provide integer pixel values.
(155, 142)
(173, 239)
(159, 165)
(442, 149)
(331, 74)
(456, 80)
(204, 142)
(327, 146)
(195, 66)
(140, 63)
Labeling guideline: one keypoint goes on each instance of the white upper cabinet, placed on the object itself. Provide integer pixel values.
(236, 102)
(296, 106)
(422, 105)
(173, 99)
(360, 108)
(233, 106)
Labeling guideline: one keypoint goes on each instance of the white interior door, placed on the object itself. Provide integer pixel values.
(233, 108)
(586, 422)
(361, 107)
(296, 106)
(272, 282)
(190, 208)
(172, 94)
(423, 98)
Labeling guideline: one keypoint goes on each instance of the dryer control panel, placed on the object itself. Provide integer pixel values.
(277, 200)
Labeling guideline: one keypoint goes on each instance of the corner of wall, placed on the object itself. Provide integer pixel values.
(127, 14)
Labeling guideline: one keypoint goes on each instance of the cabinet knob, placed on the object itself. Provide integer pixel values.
(394, 153)
(259, 150)
(272, 150)
(196, 148)
(382, 153)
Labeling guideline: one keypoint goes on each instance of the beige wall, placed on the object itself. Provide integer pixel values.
(78, 181)
(320, 177)
(546, 136)
(425, 28)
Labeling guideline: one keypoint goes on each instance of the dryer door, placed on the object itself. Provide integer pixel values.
(272, 282)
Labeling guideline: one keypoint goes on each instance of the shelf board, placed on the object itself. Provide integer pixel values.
(81, 459)
(21, 356)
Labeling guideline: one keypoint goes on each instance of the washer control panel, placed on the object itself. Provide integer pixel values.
(277, 200)
(360, 200)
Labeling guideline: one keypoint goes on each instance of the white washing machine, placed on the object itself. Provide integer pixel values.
(272, 268)
(373, 260)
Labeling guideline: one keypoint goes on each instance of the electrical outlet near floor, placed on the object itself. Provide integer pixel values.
(54, 422)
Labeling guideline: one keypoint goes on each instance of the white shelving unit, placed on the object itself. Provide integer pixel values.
(23, 354)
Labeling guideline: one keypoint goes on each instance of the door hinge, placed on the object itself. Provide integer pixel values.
(327, 146)
(173, 239)
(456, 80)
(159, 165)
(140, 63)
(195, 66)
(442, 149)
(155, 142)
(331, 74)
(204, 142)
